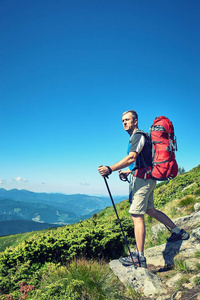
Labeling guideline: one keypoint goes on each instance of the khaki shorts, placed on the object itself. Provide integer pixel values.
(141, 195)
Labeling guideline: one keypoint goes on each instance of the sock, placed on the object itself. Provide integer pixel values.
(136, 253)
(176, 230)
(141, 254)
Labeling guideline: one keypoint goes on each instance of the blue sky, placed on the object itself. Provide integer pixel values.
(68, 71)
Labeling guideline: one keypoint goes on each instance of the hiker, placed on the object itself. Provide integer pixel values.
(141, 188)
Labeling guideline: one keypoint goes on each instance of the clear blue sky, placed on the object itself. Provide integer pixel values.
(68, 69)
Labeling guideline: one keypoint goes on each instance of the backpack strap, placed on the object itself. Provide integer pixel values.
(147, 167)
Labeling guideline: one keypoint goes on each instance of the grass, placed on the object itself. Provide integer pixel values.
(184, 279)
(180, 266)
(13, 240)
(81, 280)
(198, 266)
(160, 238)
(188, 200)
(16, 239)
(197, 254)
(197, 192)
(197, 280)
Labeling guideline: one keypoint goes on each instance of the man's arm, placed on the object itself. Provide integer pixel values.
(123, 163)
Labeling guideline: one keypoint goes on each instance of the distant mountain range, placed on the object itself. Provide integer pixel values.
(22, 226)
(43, 210)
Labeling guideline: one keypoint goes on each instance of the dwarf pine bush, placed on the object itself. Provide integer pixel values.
(79, 280)
(197, 192)
(186, 201)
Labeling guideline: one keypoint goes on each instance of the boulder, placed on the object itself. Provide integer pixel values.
(197, 206)
(173, 281)
(140, 279)
(164, 254)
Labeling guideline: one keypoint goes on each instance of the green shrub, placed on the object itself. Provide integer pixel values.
(174, 189)
(81, 279)
(197, 192)
(149, 219)
(186, 201)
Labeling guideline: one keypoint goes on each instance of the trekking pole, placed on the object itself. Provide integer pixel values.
(168, 228)
(118, 219)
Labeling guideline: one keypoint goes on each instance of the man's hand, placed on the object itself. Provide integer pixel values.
(103, 171)
(124, 174)
(123, 163)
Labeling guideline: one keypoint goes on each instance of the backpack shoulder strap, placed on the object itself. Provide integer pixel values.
(146, 135)
(148, 138)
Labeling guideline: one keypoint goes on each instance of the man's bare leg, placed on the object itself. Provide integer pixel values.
(139, 229)
(161, 217)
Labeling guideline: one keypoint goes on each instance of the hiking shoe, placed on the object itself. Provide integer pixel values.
(142, 262)
(182, 235)
(136, 261)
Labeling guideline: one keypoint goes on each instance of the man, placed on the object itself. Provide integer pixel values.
(141, 188)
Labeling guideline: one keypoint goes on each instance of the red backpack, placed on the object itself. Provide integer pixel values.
(164, 144)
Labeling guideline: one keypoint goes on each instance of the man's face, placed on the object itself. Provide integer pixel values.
(128, 123)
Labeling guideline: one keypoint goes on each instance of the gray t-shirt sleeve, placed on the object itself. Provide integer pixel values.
(137, 142)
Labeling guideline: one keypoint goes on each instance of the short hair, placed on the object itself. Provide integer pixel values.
(134, 114)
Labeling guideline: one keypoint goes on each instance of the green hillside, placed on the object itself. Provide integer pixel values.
(52, 260)
(16, 239)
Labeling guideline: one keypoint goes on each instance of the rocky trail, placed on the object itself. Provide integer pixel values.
(161, 280)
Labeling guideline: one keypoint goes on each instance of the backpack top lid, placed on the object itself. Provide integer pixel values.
(162, 124)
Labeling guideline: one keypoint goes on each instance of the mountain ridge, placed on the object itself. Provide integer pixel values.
(50, 208)
(22, 226)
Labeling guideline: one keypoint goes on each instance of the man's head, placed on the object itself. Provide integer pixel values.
(130, 121)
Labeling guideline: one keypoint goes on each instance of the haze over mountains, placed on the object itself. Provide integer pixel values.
(22, 211)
